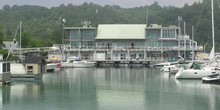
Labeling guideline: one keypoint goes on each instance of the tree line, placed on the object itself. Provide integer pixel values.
(42, 26)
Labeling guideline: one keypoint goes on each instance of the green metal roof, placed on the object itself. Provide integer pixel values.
(121, 31)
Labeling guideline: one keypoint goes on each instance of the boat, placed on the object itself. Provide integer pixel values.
(171, 61)
(201, 72)
(75, 62)
(196, 71)
(53, 66)
(213, 79)
(170, 68)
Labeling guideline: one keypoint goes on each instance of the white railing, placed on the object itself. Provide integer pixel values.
(112, 48)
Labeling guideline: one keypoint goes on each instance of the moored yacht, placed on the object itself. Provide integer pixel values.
(171, 61)
(170, 68)
(213, 79)
(52, 66)
(75, 62)
(196, 72)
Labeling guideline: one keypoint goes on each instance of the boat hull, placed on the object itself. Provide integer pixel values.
(212, 79)
(194, 74)
(170, 68)
(78, 65)
(83, 65)
(51, 67)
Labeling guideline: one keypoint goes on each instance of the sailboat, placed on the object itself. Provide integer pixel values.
(200, 72)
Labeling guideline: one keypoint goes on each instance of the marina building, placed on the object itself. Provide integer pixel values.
(127, 42)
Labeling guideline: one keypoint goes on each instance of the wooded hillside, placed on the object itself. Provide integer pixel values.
(42, 26)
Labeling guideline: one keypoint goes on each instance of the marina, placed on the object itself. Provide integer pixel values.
(116, 64)
(110, 88)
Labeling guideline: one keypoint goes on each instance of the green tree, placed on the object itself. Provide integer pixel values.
(25, 39)
(1, 38)
(55, 36)
(44, 23)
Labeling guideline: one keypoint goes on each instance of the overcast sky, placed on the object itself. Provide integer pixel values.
(122, 3)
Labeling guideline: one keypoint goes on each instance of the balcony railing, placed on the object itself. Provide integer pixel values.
(109, 48)
(137, 48)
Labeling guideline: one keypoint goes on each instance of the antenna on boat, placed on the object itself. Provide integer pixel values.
(192, 43)
(213, 32)
(179, 19)
(14, 40)
(20, 42)
(147, 17)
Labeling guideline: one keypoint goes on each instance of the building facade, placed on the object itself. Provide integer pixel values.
(128, 42)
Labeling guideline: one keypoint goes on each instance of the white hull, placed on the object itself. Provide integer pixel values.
(160, 65)
(83, 65)
(170, 69)
(194, 73)
(78, 64)
(211, 79)
(53, 66)
(66, 65)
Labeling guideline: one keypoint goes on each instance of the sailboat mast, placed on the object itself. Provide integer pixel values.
(213, 32)
(20, 42)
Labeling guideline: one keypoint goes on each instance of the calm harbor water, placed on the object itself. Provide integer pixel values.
(110, 88)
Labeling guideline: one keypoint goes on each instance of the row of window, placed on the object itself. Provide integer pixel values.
(166, 33)
(84, 44)
(151, 33)
(86, 34)
(91, 44)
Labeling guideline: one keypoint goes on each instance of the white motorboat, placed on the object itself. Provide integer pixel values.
(213, 79)
(171, 61)
(75, 62)
(202, 72)
(195, 73)
(53, 66)
(83, 64)
(158, 65)
(170, 68)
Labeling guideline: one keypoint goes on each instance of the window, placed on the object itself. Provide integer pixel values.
(168, 33)
(122, 56)
(133, 56)
(132, 45)
(29, 69)
(4, 67)
(8, 67)
(153, 33)
(74, 44)
(74, 34)
(141, 56)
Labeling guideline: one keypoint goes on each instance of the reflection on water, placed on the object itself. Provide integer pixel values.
(24, 93)
(111, 88)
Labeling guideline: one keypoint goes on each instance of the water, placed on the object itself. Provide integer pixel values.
(110, 89)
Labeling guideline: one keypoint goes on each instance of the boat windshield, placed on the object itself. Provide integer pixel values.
(195, 66)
